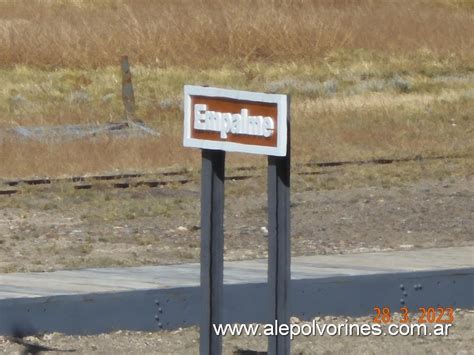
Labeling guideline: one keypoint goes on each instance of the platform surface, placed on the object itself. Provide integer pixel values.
(70, 282)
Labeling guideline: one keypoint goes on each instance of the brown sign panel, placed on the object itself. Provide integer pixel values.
(233, 120)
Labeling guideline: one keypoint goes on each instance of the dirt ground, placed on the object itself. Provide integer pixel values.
(336, 210)
(460, 341)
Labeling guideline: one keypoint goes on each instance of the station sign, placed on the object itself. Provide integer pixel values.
(235, 121)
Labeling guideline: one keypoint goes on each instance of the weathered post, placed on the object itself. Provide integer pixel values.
(128, 96)
(279, 246)
(212, 248)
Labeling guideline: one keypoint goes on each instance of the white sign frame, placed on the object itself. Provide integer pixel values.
(282, 120)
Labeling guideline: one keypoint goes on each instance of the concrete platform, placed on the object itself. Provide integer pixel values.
(166, 297)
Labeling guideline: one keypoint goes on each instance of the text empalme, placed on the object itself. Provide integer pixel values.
(235, 123)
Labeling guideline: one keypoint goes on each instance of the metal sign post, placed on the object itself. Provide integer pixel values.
(279, 247)
(212, 248)
(220, 120)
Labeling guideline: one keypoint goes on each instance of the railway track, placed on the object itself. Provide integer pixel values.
(132, 180)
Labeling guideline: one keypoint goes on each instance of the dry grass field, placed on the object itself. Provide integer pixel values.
(208, 33)
(368, 78)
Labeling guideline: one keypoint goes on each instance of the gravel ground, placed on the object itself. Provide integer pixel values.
(332, 212)
(460, 340)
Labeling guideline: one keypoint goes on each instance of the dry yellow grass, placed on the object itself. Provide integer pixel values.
(368, 78)
(21, 159)
(205, 33)
(321, 132)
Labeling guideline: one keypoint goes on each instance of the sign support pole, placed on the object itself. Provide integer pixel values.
(212, 249)
(279, 246)
(219, 120)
